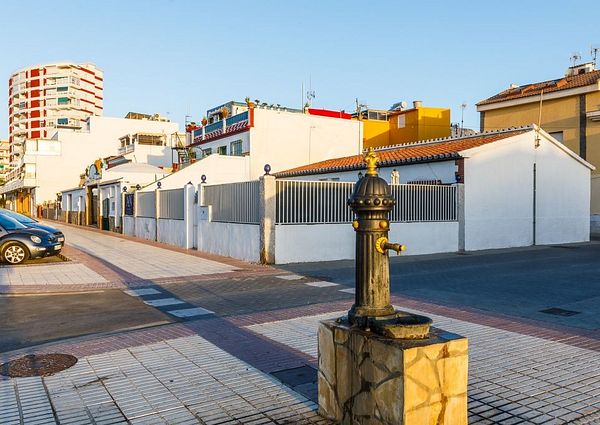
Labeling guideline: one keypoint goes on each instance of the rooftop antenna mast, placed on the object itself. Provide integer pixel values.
(575, 56)
(310, 93)
(594, 53)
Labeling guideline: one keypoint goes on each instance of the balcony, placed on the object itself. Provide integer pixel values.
(123, 150)
(231, 124)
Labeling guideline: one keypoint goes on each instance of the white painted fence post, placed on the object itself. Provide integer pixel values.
(156, 212)
(266, 212)
(136, 202)
(188, 214)
(123, 209)
(460, 200)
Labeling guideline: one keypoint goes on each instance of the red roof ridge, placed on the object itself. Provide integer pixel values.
(452, 138)
(548, 86)
(433, 150)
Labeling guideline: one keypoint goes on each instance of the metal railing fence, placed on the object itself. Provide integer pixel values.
(320, 202)
(146, 204)
(233, 202)
(424, 202)
(170, 202)
(304, 202)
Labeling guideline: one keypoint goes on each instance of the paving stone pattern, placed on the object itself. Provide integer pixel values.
(513, 378)
(179, 381)
(140, 259)
(51, 274)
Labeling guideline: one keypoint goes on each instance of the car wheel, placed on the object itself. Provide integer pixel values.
(14, 253)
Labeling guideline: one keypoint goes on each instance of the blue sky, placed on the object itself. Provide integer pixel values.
(182, 57)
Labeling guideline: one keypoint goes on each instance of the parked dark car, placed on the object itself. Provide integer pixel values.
(18, 242)
(31, 222)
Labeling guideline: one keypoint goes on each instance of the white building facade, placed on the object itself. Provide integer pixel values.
(260, 135)
(47, 166)
(520, 187)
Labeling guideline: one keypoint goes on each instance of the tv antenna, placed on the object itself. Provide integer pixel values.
(594, 49)
(575, 56)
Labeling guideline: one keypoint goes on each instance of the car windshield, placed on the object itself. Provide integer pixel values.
(19, 217)
(9, 223)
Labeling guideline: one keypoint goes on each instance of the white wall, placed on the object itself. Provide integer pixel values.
(443, 171)
(328, 242)
(159, 156)
(286, 140)
(563, 198)
(129, 225)
(218, 169)
(76, 194)
(71, 151)
(499, 194)
(171, 232)
(145, 228)
(234, 240)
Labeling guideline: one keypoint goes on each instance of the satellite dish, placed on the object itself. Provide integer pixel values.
(403, 104)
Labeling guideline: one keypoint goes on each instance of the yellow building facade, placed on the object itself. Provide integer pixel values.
(568, 108)
(384, 128)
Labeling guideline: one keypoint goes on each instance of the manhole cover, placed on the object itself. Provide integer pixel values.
(37, 365)
(560, 312)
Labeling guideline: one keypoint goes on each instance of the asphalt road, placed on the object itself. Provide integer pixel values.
(518, 282)
(28, 320)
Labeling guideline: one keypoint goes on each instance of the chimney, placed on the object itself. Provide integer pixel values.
(417, 104)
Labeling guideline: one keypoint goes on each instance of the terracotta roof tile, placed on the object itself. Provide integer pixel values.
(550, 86)
(427, 151)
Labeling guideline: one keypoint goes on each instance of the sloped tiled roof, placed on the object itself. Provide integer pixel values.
(426, 151)
(534, 89)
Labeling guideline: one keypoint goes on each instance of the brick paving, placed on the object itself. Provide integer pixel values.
(101, 260)
(218, 369)
(513, 378)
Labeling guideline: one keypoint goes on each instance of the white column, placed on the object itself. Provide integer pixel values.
(460, 199)
(157, 212)
(266, 208)
(189, 214)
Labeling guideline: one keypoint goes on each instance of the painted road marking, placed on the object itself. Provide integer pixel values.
(290, 277)
(348, 291)
(321, 284)
(190, 312)
(161, 302)
(141, 292)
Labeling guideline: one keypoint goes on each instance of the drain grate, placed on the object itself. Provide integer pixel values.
(296, 376)
(560, 312)
(37, 365)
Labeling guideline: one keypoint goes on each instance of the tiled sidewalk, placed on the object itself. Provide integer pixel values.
(139, 259)
(51, 274)
(217, 371)
(180, 381)
(513, 378)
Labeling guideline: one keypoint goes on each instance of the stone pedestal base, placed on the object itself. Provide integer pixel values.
(370, 379)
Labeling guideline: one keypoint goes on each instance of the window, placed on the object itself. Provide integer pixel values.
(62, 88)
(222, 150)
(62, 121)
(63, 101)
(236, 148)
(206, 152)
(401, 121)
(558, 135)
